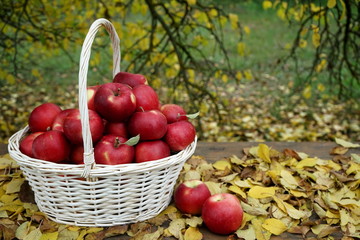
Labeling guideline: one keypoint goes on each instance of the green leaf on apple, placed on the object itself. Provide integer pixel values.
(133, 141)
(193, 116)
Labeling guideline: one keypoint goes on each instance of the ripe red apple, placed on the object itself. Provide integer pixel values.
(146, 98)
(73, 128)
(42, 117)
(51, 146)
(115, 102)
(130, 79)
(190, 196)
(27, 142)
(58, 123)
(151, 150)
(77, 154)
(150, 125)
(179, 135)
(116, 128)
(111, 150)
(222, 213)
(91, 90)
(173, 113)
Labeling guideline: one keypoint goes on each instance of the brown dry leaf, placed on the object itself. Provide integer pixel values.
(154, 235)
(291, 153)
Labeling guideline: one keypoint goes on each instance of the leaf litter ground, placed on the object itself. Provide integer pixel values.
(281, 192)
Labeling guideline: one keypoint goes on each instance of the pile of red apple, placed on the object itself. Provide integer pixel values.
(127, 124)
(222, 213)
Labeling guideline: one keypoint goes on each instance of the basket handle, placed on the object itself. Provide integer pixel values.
(89, 159)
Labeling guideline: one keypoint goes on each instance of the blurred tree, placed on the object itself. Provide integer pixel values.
(332, 28)
(171, 42)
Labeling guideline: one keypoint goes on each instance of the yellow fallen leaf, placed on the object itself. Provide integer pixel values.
(176, 226)
(288, 180)
(222, 165)
(259, 232)
(50, 236)
(354, 168)
(247, 234)
(275, 226)
(154, 235)
(237, 190)
(297, 193)
(306, 162)
(264, 152)
(346, 144)
(169, 209)
(214, 187)
(194, 221)
(262, 192)
(14, 185)
(33, 235)
(193, 233)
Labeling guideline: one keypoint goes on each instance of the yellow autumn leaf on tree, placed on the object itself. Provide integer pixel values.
(307, 92)
(331, 3)
(193, 233)
(191, 2)
(275, 226)
(234, 19)
(262, 192)
(241, 48)
(267, 4)
(316, 39)
(264, 152)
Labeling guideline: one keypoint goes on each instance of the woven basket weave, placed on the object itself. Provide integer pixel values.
(99, 195)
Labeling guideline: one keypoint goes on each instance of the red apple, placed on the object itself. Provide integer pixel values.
(27, 142)
(130, 79)
(51, 146)
(151, 150)
(173, 112)
(73, 128)
(58, 123)
(42, 117)
(115, 102)
(77, 154)
(190, 196)
(179, 135)
(222, 213)
(91, 90)
(146, 98)
(111, 150)
(116, 128)
(150, 125)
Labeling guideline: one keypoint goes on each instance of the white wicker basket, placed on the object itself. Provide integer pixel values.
(110, 194)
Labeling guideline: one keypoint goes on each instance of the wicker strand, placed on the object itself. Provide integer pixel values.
(89, 159)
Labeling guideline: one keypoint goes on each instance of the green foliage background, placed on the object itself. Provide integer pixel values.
(242, 64)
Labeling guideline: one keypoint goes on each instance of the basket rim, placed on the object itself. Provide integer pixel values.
(102, 169)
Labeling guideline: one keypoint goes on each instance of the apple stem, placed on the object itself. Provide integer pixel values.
(117, 142)
(142, 109)
(118, 92)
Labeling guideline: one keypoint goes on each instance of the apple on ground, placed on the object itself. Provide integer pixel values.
(190, 196)
(150, 125)
(115, 102)
(173, 113)
(58, 123)
(179, 135)
(27, 142)
(146, 98)
(51, 146)
(113, 150)
(222, 213)
(42, 117)
(130, 79)
(116, 128)
(73, 128)
(91, 90)
(151, 150)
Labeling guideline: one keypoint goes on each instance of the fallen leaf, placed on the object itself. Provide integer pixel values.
(193, 233)
(222, 165)
(346, 144)
(275, 226)
(246, 234)
(340, 150)
(262, 192)
(264, 152)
